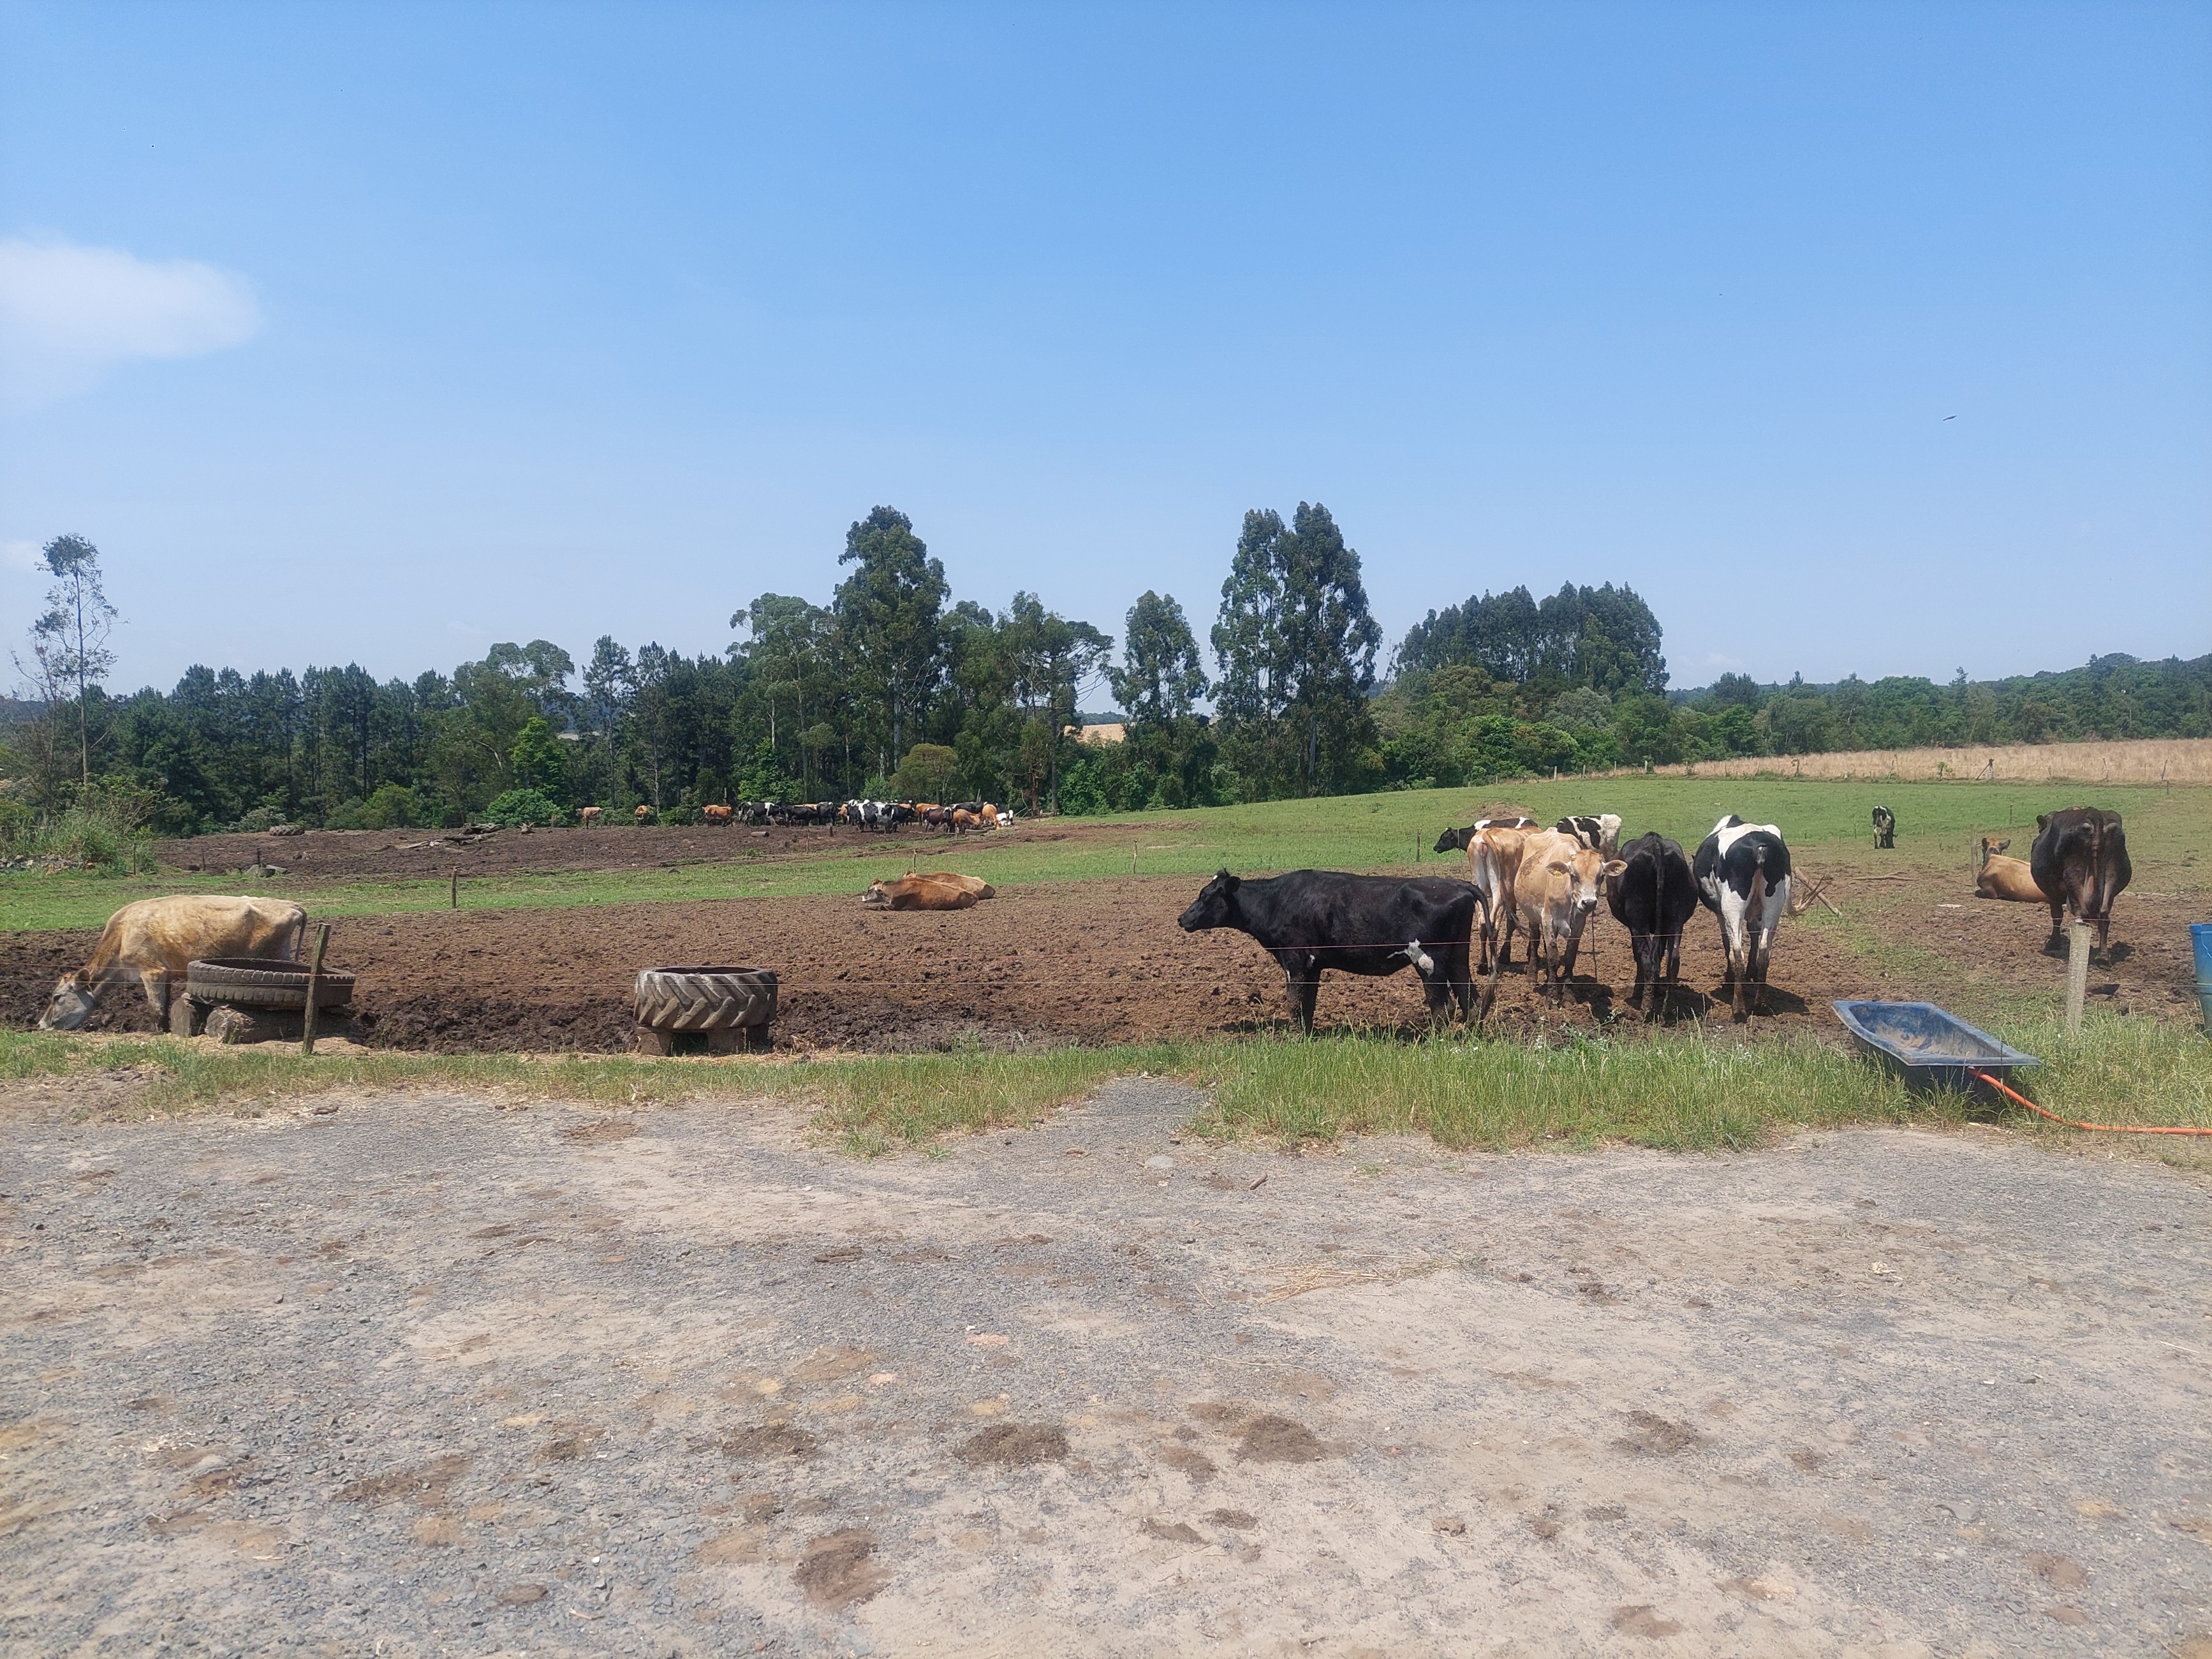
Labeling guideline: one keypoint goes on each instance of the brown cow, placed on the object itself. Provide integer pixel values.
(153, 940)
(715, 814)
(2000, 878)
(976, 884)
(588, 816)
(643, 815)
(1557, 884)
(1492, 858)
(919, 893)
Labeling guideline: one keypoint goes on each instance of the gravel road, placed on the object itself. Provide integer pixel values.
(420, 1375)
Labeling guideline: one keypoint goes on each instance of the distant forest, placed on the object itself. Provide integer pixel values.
(893, 689)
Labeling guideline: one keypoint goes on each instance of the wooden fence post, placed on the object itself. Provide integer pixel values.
(456, 887)
(315, 988)
(2077, 975)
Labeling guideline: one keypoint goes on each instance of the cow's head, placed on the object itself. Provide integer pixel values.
(1212, 906)
(72, 1006)
(1449, 841)
(1990, 850)
(1585, 873)
(877, 897)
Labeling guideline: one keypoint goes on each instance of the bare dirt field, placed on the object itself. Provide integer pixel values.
(414, 1376)
(429, 854)
(1095, 962)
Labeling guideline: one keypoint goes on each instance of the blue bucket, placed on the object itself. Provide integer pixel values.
(2200, 935)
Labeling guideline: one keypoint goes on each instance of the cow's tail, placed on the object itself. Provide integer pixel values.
(299, 935)
(1755, 912)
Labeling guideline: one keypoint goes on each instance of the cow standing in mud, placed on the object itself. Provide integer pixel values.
(2080, 862)
(1742, 872)
(152, 941)
(1653, 898)
(1311, 919)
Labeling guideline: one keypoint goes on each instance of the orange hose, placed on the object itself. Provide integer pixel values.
(2110, 1128)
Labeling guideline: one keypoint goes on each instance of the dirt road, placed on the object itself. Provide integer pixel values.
(425, 1377)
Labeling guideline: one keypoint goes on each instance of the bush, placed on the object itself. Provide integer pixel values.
(392, 806)
(520, 806)
(261, 819)
(103, 828)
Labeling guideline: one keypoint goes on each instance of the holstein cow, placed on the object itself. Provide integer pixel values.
(715, 814)
(1742, 872)
(1311, 919)
(588, 816)
(1460, 840)
(2000, 878)
(1654, 897)
(921, 893)
(1885, 828)
(153, 940)
(1556, 888)
(2079, 861)
(1601, 834)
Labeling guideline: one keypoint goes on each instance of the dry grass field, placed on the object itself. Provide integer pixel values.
(2146, 760)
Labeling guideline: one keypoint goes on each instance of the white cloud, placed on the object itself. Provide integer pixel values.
(67, 312)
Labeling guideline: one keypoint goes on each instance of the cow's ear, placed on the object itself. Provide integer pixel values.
(2043, 820)
(1616, 870)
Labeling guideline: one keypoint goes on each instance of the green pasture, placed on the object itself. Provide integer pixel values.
(1686, 1091)
(1825, 823)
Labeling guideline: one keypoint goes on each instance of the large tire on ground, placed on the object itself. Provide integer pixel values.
(249, 983)
(705, 999)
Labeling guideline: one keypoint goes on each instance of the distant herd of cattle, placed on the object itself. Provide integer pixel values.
(955, 817)
(1548, 883)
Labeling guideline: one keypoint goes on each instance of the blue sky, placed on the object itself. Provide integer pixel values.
(381, 333)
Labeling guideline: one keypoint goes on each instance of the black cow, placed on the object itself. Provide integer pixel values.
(1742, 872)
(2079, 861)
(1653, 898)
(1885, 827)
(1311, 919)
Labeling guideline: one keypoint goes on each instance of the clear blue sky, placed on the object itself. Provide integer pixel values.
(503, 322)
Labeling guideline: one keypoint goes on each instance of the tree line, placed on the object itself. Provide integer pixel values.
(893, 689)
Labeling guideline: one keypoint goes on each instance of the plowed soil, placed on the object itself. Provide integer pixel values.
(425, 854)
(1098, 962)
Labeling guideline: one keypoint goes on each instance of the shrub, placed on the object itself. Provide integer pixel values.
(261, 819)
(392, 806)
(520, 806)
(103, 827)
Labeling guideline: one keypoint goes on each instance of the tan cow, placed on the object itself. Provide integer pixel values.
(152, 941)
(1556, 888)
(919, 893)
(643, 815)
(588, 816)
(1493, 856)
(715, 814)
(976, 884)
(2000, 877)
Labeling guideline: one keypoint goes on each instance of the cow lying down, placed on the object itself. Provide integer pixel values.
(1311, 919)
(150, 943)
(937, 890)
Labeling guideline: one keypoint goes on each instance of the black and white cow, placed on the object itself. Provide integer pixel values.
(1654, 897)
(1885, 827)
(1459, 840)
(1311, 919)
(1601, 834)
(1742, 872)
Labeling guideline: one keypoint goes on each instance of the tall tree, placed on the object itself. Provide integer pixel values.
(1051, 657)
(69, 642)
(789, 639)
(888, 611)
(1296, 650)
(1160, 674)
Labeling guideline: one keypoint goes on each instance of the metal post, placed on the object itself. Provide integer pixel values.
(2077, 973)
(315, 988)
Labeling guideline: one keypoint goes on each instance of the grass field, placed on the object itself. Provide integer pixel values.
(1685, 1092)
(1824, 821)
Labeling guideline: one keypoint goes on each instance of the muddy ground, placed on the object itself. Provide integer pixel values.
(1102, 961)
(418, 1375)
(430, 854)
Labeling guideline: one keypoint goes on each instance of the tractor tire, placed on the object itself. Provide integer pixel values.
(248, 983)
(705, 999)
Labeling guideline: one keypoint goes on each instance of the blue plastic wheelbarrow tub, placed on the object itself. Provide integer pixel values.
(1927, 1047)
(2200, 935)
